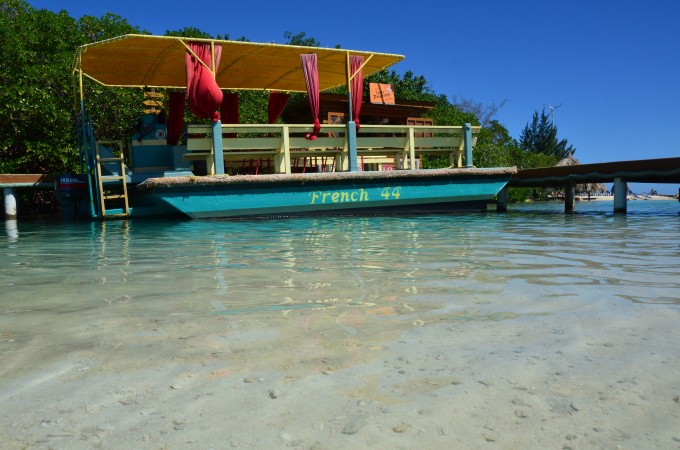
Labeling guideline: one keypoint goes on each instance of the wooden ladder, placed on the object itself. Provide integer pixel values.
(120, 186)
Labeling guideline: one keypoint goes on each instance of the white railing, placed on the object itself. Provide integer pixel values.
(396, 146)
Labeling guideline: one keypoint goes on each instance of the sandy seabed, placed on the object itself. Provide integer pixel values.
(345, 377)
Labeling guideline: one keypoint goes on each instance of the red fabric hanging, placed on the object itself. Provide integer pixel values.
(204, 94)
(356, 86)
(277, 101)
(309, 67)
(229, 110)
(229, 107)
(175, 116)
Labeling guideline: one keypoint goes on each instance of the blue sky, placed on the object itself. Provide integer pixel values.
(613, 66)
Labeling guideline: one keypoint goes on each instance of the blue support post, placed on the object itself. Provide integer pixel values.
(217, 146)
(502, 200)
(86, 162)
(352, 145)
(467, 139)
(92, 164)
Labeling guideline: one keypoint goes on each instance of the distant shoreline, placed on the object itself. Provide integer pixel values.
(599, 198)
(584, 198)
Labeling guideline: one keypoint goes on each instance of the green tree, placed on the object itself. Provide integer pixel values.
(36, 99)
(37, 48)
(484, 113)
(191, 32)
(300, 39)
(495, 147)
(540, 137)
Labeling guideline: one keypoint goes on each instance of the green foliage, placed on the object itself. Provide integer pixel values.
(37, 47)
(107, 27)
(191, 32)
(540, 137)
(253, 106)
(495, 147)
(300, 39)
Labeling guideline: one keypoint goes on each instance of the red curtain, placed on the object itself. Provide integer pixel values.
(175, 116)
(311, 71)
(229, 110)
(204, 94)
(277, 101)
(229, 107)
(356, 86)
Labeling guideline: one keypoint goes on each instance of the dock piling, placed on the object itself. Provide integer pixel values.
(620, 195)
(569, 196)
(10, 203)
(502, 200)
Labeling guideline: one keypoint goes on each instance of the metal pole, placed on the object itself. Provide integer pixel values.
(218, 149)
(352, 146)
(467, 141)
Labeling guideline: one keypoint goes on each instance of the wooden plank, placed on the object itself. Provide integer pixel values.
(319, 143)
(449, 142)
(382, 142)
(26, 180)
(252, 143)
(199, 145)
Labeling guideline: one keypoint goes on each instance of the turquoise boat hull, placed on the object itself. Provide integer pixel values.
(329, 193)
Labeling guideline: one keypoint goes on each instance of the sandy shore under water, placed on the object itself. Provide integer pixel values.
(345, 377)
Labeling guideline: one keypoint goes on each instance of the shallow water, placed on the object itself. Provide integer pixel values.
(301, 285)
(254, 265)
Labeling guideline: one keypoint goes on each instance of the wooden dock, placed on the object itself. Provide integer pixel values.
(10, 182)
(663, 170)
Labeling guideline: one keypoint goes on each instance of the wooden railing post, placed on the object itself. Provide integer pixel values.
(285, 140)
(412, 148)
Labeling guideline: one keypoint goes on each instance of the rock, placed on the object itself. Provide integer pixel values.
(355, 424)
(273, 393)
(521, 414)
(401, 428)
(488, 437)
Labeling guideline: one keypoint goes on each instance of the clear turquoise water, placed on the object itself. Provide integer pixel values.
(250, 265)
(513, 329)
